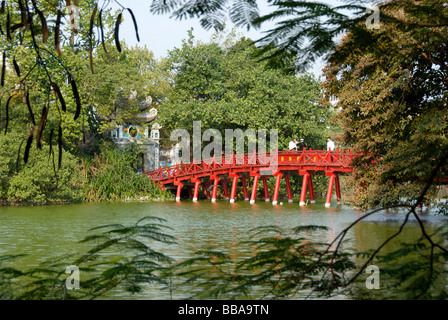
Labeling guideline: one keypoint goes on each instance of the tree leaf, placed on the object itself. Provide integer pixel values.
(135, 24)
(43, 22)
(3, 69)
(23, 13)
(7, 113)
(28, 104)
(77, 98)
(60, 96)
(102, 29)
(41, 127)
(16, 66)
(8, 27)
(57, 33)
(92, 20)
(28, 145)
(60, 147)
(50, 141)
(117, 31)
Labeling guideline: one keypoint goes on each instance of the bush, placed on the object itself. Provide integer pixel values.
(39, 181)
(113, 177)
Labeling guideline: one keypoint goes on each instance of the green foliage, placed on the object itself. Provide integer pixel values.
(212, 14)
(120, 258)
(224, 87)
(113, 177)
(39, 181)
(44, 84)
(116, 76)
(392, 90)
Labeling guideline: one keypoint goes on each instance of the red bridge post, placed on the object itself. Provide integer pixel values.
(254, 187)
(215, 187)
(179, 189)
(266, 190)
(224, 188)
(304, 189)
(234, 185)
(288, 189)
(197, 183)
(277, 188)
(338, 189)
(330, 189)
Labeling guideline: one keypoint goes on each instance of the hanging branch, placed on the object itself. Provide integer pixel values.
(41, 128)
(28, 145)
(3, 68)
(30, 110)
(57, 33)
(117, 31)
(92, 21)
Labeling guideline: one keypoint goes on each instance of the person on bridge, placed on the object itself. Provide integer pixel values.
(330, 144)
(293, 145)
(301, 145)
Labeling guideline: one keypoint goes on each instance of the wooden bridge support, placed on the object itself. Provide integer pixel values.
(306, 177)
(266, 190)
(224, 188)
(215, 187)
(197, 183)
(277, 188)
(179, 190)
(254, 187)
(234, 185)
(334, 179)
(338, 190)
(307, 185)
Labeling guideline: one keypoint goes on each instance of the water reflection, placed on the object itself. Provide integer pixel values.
(44, 232)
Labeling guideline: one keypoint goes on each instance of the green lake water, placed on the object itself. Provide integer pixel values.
(42, 232)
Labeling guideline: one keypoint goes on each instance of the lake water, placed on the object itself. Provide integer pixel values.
(42, 232)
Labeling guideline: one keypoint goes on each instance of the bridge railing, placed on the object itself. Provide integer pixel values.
(306, 157)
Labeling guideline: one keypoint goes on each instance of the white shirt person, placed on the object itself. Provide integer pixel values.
(330, 145)
(293, 144)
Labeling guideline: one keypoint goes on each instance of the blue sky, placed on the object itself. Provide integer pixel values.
(160, 33)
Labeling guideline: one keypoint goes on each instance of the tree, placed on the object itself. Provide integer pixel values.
(307, 30)
(45, 55)
(225, 88)
(118, 76)
(392, 88)
(45, 46)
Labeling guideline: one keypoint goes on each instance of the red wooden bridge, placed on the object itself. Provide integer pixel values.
(280, 164)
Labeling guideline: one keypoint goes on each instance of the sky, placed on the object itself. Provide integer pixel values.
(160, 33)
